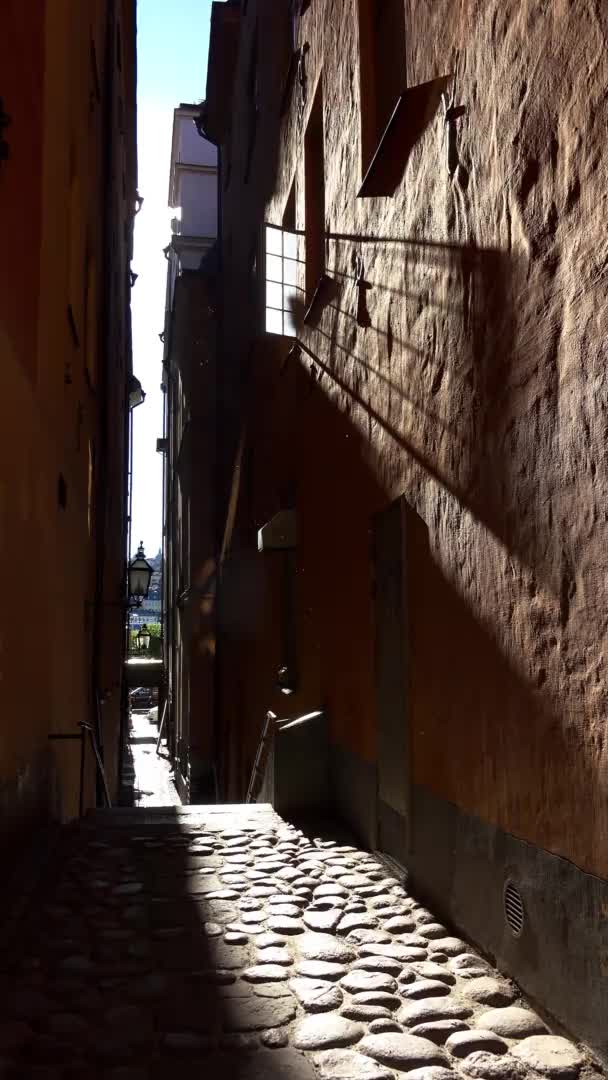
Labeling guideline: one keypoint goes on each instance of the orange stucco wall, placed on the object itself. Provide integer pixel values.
(51, 215)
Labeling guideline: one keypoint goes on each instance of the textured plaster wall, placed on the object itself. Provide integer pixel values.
(51, 455)
(477, 388)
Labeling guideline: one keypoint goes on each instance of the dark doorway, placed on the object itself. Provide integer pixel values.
(391, 679)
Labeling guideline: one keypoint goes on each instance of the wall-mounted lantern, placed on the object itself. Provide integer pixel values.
(137, 394)
(140, 575)
(143, 638)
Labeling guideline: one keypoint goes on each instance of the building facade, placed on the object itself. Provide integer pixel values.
(68, 183)
(188, 447)
(411, 370)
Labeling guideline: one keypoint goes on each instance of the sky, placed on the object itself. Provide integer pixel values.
(172, 46)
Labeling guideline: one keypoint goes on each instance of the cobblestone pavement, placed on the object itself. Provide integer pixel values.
(222, 942)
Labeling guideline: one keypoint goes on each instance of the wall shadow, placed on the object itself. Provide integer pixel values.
(124, 934)
(488, 736)
(448, 382)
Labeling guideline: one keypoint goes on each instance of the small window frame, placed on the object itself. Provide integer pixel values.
(283, 274)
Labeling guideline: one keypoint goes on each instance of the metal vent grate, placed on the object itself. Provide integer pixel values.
(514, 908)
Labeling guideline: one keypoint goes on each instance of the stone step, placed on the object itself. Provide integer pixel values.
(257, 815)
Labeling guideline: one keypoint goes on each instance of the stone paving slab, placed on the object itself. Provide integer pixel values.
(147, 775)
(215, 940)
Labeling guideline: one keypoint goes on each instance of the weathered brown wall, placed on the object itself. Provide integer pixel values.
(481, 387)
(58, 474)
(478, 390)
(190, 533)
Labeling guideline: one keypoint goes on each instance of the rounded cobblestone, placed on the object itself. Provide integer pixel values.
(403, 953)
(449, 946)
(462, 1043)
(365, 1013)
(265, 973)
(378, 963)
(484, 1066)
(321, 969)
(369, 937)
(512, 1022)
(331, 889)
(550, 1055)
(367, 980)
(236, 937)
(439, 1030)
(349, 1065)
(377, 997)
(398, 924)
(283, 924)
(417, 1012)
(274, 955)
(402, 1051)
(323, 919)
(325, 1032)
(432, 1072)
(325, 947)
(216, 947)
(315, 995)
(490, 991)
(428, 969)
(425, 988)
(469, 966)
(379, 1027)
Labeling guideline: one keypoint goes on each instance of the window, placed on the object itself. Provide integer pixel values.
(314, 196)
(382, 59)
(283, 280)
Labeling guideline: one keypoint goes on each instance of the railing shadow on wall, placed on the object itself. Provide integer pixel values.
(469, 296)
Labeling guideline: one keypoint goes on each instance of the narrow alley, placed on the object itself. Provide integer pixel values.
(223, 942)
(304, 540)
(147, 776)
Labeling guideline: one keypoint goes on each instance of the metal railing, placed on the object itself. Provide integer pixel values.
(86, 726)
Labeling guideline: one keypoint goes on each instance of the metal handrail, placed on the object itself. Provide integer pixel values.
(84, 725)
